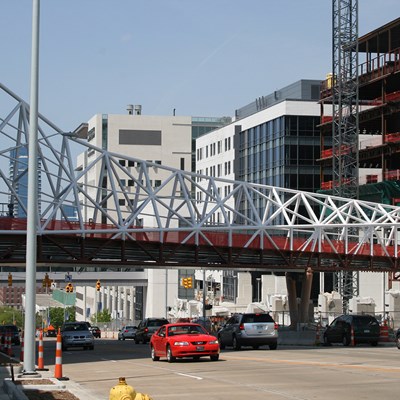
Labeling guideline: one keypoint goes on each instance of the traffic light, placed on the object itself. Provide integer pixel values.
(9, 279)
(189, 283)
(98, 285)
(184, 282)
(69, 288)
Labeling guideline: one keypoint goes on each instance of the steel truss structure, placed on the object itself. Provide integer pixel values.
(171, 224)
(345, 116)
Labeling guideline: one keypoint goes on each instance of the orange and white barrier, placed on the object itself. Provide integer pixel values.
(9, 349)
(384, 332)
(352, 340)
(58, 364)
(40, 365)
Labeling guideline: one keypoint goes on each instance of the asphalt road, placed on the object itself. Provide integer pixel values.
(335, 372)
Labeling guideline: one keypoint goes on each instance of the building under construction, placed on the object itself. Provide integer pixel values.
(377, 145)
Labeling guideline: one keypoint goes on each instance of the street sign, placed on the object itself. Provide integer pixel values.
(68, 278)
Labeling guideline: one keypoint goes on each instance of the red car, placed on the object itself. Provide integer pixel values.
(183, 340)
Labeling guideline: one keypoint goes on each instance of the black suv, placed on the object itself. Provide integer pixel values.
(147, 327)
(357, 328)
(13, 330)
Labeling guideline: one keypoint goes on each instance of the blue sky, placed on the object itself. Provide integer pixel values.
(203, 58)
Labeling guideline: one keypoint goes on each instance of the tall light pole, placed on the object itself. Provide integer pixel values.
(32, 217)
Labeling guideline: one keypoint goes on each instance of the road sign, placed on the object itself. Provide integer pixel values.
(68, 278)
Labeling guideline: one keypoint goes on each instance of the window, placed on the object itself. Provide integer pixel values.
(122, 162)
(130, 182)
(182, 164)
(157, 183)
(122, 182)
(219, 146)
(131, 163)
(121, 202)
(158, 162)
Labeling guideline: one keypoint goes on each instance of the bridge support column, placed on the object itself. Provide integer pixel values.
(292, 298)
(305, 296)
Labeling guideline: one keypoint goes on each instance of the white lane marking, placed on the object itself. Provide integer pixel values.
(189, 376)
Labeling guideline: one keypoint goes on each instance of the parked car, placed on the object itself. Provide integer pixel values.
(147, 327)
(398, 338)
(183, 340)
(76, 334)
(127, 332)
(13, 330)
(365, 329)
(249, 329)
(96, 332)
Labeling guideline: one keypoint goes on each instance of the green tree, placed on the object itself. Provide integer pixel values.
(102, 316)
(56, 315)
(11, 315)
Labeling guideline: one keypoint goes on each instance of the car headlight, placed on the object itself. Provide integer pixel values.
(181, 343)
(214, 341)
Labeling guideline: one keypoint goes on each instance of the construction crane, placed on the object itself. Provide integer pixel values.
(345, 125)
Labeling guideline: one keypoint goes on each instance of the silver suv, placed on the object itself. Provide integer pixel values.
(251, 329)
(76, 334)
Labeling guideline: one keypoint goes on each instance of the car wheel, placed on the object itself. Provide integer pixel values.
(398, 342)
(153, 355)
(123, 337)
(170, 357)
(215, 357)
(374, 344)
(197, 358)
(235, 343)
(221, 345)
(346, 341)
(273, 346)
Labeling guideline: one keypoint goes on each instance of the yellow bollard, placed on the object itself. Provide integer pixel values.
(122, 391)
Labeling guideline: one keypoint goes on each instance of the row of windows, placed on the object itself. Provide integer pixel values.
(131, 163)
(226, 190)
(214, 148)
(217, 170)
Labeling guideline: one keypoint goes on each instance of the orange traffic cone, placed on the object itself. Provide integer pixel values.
(58, 366)
(352, 340)
(9, 349)
(40, 366)
(21, 353)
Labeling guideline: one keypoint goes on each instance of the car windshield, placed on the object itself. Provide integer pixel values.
(77, 327)
(185, 330)
(129, 327)
(250, 318)
(157, 322)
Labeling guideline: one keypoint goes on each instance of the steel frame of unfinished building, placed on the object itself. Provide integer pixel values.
(345, 117)
(289, 223)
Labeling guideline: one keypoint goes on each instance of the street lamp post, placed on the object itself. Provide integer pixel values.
(32, 214)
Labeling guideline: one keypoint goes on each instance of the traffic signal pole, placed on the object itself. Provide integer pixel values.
(32, 211)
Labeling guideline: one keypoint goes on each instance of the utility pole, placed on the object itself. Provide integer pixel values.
(32, 214)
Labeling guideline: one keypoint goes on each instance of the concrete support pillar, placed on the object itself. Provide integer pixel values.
(305, 296)
(109, 299)
(103, 298)
(125, 313)
(114, 298)
(292, 298)
(132, 304)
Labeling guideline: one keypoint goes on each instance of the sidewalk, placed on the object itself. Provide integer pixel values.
(8, 389)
